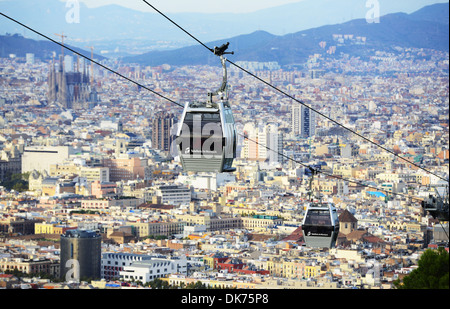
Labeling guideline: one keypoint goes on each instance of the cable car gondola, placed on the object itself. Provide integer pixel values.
(206, 136)
(320, 225)
(437, 205)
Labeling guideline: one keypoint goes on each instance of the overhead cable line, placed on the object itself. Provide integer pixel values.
(291, 97)
(178, 104)
(92, 60)
(331, 175)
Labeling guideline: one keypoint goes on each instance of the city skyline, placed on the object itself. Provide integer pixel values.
(264, 190)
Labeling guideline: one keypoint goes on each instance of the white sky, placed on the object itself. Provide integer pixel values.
(197, 6)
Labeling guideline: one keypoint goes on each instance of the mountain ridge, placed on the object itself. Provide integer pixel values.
(424, 28)
(42, 49)
(418, 30)
(114, 22)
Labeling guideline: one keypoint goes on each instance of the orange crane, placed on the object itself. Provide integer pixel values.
(62, 36)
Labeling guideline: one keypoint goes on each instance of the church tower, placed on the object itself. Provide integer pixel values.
(52, 84)
(347, 222)
(71, 90)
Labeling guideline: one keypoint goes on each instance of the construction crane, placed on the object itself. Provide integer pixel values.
(62, 36)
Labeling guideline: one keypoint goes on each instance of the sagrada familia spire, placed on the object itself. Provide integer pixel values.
(70, 90)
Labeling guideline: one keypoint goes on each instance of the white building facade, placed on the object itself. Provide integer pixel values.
(148, 270)
(112, 263)
(174, 194)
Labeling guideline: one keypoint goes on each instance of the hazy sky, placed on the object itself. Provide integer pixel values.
(198, 6)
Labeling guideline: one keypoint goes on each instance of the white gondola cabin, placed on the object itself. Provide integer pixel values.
(206, 137)
(320, 225)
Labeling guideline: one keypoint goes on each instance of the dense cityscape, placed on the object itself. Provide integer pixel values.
(88, 155)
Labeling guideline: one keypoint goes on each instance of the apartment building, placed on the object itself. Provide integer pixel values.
(107, 203)
(15, 225)
(51, 228)
(30, 266)
(114, 262)
(211, 223)
(260, 139)
(149, 270)
(103, 189)
(303, 121)
(287, 268)
(10, 162)
(174, 194)
(260, 222)
(162, 131)
(330, 187)
(157, 228)
(41, 158)
(127, 168)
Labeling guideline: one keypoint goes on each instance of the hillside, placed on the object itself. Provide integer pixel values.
(425, 28)
(114, 22)
(43, 49)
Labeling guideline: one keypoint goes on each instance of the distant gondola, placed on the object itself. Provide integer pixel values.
(206, 137)
(437, 205)
(320, 225)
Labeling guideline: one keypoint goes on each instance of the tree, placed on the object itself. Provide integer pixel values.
(159, 284)
(432, 272)
(17, 182)
(196, 286)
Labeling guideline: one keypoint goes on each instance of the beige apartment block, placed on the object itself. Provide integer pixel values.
(40, 158)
